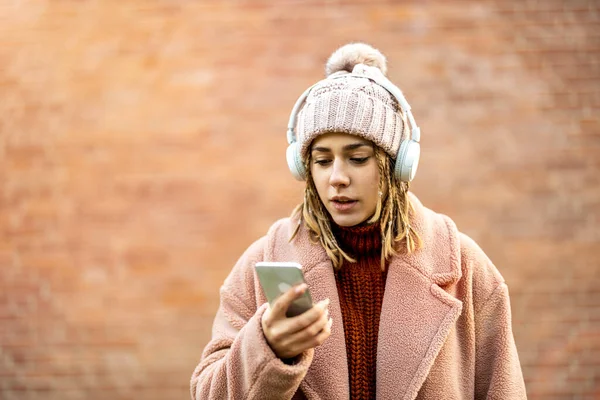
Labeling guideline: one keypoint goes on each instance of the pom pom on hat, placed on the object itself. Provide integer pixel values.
(347, 56)
(350, 100)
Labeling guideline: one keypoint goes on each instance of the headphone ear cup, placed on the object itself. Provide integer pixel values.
(294, 160)
(407, 160)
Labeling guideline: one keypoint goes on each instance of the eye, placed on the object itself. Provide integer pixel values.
(322, 161)
(359, 160)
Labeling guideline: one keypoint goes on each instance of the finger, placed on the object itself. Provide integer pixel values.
(266, 320)
(282, 333)
(299, 346)
(324, 334)
(309, 317)
(313, 330)
(306, 335)
(283, 302)
(312, 324)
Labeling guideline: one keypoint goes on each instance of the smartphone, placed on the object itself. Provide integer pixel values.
(277, 278)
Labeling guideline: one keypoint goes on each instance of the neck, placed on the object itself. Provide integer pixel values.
(358, 241)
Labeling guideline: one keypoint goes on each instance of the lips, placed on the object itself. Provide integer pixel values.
(342, 203)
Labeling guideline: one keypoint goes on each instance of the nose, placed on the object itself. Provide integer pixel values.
(339, 176)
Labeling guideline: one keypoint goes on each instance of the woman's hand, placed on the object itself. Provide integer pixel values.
(289, 337)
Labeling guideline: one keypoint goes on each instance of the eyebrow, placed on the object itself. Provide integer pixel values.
(348, 147)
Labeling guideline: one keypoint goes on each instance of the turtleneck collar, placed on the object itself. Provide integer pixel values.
(358, 241)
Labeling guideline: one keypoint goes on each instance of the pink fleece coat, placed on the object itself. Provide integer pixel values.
(445, 330)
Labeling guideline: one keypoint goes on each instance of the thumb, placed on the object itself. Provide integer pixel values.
(282, 303)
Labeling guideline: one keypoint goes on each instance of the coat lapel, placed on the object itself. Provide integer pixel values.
(417, 314)
(416, 317)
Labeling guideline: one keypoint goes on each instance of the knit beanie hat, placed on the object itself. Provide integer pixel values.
(348, 101)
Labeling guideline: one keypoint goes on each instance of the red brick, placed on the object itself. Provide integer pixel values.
(136, 136)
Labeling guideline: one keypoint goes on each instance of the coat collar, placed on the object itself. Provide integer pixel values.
(438, 260)
(416, 317)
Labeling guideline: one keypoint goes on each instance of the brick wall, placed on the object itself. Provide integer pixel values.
(142, 149)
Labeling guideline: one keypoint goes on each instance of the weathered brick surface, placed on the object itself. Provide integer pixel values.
(142, 150)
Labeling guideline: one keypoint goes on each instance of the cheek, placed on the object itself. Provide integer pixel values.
(320, 181)
(373, 187)
(374, 179)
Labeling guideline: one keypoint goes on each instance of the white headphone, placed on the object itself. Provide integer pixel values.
(407, 159)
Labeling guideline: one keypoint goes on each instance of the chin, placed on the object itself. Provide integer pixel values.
(347, 220)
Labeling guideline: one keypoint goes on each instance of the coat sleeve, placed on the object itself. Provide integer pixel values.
(497, 369)
(238, 363)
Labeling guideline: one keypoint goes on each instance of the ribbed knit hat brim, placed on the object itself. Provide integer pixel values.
(353, 112)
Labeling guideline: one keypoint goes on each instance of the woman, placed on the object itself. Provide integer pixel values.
(407, 307)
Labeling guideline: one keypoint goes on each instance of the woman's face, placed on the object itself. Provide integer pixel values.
(345, 172)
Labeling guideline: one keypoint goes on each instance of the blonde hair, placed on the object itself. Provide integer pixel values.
(392, 212)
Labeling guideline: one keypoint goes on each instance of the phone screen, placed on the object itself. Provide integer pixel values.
(278, 277)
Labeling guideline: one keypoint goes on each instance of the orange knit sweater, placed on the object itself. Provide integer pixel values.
(360, 288)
